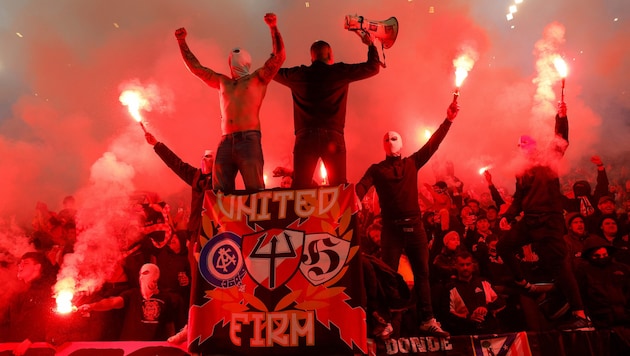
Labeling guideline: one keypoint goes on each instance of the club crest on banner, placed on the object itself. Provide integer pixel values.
(324, 257)
(272, 257)
(221, 262)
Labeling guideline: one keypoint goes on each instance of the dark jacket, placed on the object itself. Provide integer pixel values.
(396, 179)
(192, 176)
(320, 91)
(30, 313)
(538, 187)
(583, 188)
(605, 288)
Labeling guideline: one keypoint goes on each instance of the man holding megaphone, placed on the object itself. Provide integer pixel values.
(320, 95)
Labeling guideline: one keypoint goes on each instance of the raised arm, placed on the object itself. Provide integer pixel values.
(425, 152)
(602, 187)
(184, 170)
(103, 305)
(562, 129)
(206, 74)
(273, 64)
(494, 192)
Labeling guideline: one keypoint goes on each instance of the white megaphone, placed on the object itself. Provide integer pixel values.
(385, 31)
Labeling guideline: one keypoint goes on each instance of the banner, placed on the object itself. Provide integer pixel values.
(279, 273)
(479, 345)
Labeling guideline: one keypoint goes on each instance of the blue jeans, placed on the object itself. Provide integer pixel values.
(239, 152)
(310, 145)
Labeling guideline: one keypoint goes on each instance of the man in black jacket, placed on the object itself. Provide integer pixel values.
(396, 182)
(539, 198)
(320, 94)
(200, 180)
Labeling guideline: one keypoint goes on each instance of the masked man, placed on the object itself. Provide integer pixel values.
(149, 313)
(396, 182)
(241, 97)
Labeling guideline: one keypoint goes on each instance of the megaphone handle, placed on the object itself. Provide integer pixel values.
(383, 64)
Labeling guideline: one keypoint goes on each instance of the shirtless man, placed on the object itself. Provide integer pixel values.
(241, 97)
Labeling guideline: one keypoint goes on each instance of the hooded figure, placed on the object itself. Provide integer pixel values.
(604, 283)
(585, 200)
(582, 192)
(593, 244)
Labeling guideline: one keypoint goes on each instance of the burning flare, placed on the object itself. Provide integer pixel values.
(561, 66)
(563, 70)
(65, 293)
(64, 302)
(323, 173)
(463, 64)
(134, 101)
(483, 169)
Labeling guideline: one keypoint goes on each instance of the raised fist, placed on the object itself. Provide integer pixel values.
(181, 33)
(151, 140)
(271, 19)
(562, 109)
(597, 160)
(452, 111)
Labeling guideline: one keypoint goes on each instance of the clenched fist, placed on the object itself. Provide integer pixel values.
(271, 19)
(181, 33)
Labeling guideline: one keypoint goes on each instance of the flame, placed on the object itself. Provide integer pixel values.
(323, 173)
(561, 66)
(134, 101)
(463, 64)
(64, 302)
(483, 169)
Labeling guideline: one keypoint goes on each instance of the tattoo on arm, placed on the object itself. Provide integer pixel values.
(195, 67)
(273, 64)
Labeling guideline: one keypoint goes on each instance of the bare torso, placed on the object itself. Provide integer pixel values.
(241, 100)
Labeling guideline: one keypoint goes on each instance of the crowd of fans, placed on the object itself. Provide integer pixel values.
(144, 296)
(473, 292)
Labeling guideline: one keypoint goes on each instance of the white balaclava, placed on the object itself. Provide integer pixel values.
(207, 161)
(240, 61)
(392, 143)
(149, 275)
